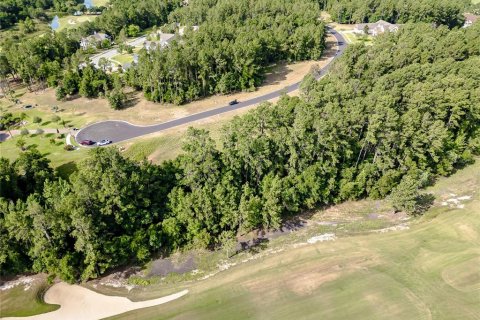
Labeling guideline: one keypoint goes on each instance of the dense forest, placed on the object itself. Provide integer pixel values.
(236, 41)
(387, 119)
(445, 12)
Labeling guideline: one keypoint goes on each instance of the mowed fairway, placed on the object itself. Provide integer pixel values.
(431, 271)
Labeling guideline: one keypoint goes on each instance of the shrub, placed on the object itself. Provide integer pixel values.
(37, 119)
(24, 132)
(55, 118)
(69, 147)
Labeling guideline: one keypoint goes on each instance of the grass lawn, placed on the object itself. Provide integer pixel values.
(99, 3)
(429, 271)
(353, 38)
(69, 22)
(475, 1)
(122, 58)
(18, 302)
(62, 160)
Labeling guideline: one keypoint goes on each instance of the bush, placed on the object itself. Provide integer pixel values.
(55, 118)
(39, 131)
(37, 119)
(69, 147)
(24, 132)
(60, 93)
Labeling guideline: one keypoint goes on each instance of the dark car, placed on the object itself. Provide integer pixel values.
(233, 102)
(87, 142)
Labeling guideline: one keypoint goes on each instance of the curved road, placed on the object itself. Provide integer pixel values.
(116, 130)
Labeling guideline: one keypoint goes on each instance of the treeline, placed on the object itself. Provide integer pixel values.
(386, 119)
(236, 42)
(447, 12)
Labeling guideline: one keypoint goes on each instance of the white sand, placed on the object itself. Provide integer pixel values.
(81, 303)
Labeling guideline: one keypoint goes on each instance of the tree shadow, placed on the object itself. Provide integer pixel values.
(65, 170)
(424, 202)
(46, 123)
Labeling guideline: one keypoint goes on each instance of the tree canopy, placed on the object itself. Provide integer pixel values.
(385, 119)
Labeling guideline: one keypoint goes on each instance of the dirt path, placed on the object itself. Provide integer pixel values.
(80, 303)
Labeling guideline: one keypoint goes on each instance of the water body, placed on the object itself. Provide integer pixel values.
(55, 23)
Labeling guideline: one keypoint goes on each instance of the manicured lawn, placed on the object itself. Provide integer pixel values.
(62, 160)
(429, 271)
(69, 22)
(353, 38)
(122, 58)
(18, 302)
(99, 3)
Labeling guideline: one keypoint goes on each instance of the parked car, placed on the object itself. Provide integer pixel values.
(86, 142)
(233, 102)
(103, 142)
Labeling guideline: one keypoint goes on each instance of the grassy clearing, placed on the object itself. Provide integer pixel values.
(99, 3)
(354, 38)
(70, 22)
(18, 302)
(122, 58)
(429, 271)
(62, 160)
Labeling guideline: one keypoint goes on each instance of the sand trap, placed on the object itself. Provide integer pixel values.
(77, 302)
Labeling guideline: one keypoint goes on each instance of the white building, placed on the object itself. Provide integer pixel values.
(376, 28)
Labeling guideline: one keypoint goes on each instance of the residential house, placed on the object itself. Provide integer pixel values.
(470, 19)
(376, 28)
(162, 40)
(94, 40)
(181, 30)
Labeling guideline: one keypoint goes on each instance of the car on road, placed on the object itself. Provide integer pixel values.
(86, 142)
(103, 142)
(233, 102)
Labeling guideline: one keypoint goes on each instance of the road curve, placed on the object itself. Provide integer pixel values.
(117, 130)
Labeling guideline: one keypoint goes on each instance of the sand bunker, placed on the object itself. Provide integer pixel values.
(77, 302)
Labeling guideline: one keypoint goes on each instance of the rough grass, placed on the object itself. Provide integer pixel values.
(427, 272)
(17, 302)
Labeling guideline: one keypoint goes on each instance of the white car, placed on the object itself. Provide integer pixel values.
(103, 142)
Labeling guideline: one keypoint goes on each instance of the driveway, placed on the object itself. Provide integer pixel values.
(108, 54)
(117, 131)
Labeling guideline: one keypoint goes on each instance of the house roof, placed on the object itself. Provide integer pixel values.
(380, 23)
(163, 40)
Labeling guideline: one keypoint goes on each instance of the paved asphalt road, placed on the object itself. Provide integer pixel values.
(117, 131)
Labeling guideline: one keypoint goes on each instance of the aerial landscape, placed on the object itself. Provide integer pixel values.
(239, 159)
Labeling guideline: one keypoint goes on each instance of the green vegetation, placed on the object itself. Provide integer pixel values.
(236, 41)
(334, 280)
(445, 12)
(385, 116)
(18, 302)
